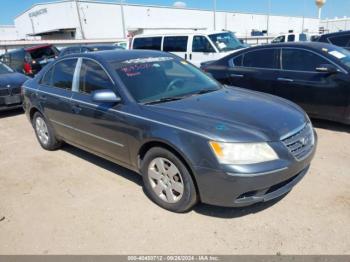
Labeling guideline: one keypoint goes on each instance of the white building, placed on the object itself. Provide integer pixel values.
(8, 32)
(335, 25)
(100, 20)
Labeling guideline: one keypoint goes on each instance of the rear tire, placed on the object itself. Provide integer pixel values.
(44, 133)
(167, 181)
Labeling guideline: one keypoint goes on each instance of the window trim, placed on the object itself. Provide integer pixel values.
(280, 58)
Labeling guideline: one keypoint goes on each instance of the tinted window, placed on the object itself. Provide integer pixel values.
(202, 44)
(303, 37)
(151, 43)
(265, 58)
(279, 39)
(93, 77)
(4, 69)
(63, 74)
(340, 40)
(45, 52)
(291, 38)
(46, 80)
(301, 60)
(237, 61)
(175, 43)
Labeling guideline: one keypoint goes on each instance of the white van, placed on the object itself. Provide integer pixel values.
(292, 37)
(197, 47)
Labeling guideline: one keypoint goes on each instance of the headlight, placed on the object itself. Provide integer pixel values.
(243, 153)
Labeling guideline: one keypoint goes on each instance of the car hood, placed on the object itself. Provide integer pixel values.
(232, 115)
(12, 79)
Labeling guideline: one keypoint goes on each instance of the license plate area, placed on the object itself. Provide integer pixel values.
(10, 100)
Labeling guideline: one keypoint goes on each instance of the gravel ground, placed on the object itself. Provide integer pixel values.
(72, 202)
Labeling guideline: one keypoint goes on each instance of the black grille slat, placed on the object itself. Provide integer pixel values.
(300, 143)
(4, 92)
(16, 90)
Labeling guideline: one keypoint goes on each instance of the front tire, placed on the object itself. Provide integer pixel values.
(167, 180)
(44, 133)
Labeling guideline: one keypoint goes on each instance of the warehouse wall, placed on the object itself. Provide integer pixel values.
(335, 25)
(103, 20)
(8, 32)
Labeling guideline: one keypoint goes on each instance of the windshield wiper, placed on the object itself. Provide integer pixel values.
(205, 91)
(164, 99)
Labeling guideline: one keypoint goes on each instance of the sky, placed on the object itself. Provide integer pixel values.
(333, 8)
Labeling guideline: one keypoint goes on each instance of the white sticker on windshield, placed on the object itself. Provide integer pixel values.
(148, 60)
(337, 54)
(222, 45)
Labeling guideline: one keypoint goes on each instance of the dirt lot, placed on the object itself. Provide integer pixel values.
(71, 202)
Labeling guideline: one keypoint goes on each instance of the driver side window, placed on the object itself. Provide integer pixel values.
(93, 77)
(201, 45)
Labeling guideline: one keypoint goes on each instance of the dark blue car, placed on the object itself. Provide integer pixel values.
(190, 138)
(10, 88)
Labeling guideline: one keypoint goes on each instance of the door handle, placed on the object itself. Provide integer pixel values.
(285, 79)
(76, 108)
(190, 56)
(185, 56)
(236, 75)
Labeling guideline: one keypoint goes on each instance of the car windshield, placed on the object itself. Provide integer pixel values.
(162, 79)
(341, 54)
(226, 41)
(4, 69)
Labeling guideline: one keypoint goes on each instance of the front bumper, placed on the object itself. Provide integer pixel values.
(223, 188)
(10, 102)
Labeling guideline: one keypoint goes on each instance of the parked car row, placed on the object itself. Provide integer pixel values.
(193, 138)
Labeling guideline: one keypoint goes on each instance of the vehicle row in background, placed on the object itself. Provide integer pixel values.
(195, 47)
(10, 88)
(30, 60)
(313, 75)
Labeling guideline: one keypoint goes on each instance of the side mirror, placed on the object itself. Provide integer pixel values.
(327, 68)
(105, 96)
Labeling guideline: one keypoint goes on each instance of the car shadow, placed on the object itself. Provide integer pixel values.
(330, 125)
(103, 163)
(11, 113)
(204, 209)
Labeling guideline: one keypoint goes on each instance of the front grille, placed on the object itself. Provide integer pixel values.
(15, 90)
(4, 92)
(300, 143)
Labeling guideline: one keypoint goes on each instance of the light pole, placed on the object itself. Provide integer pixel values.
(214, 13)
(80, 24)
(268, 17)
(123, 18)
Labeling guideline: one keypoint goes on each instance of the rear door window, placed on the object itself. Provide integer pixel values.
(343, 41)
(301, 60)
(201, 44)
(62, 76)
(93, 77)
(150, 43)
(265, 58)
(175, 43)
(291, 38)
(280, 39)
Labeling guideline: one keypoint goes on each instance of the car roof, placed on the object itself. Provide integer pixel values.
(119, 55)
(307, 45)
